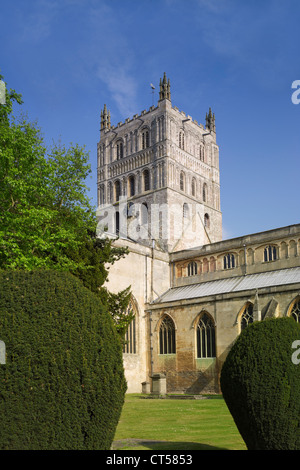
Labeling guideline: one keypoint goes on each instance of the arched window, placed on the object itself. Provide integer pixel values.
(182, 181)
(186, 211)
(144, 213)
(229, 261)
(145, 139)
(146, 178)
(206, 221)
(193, 187)
(201, 153)
(117, 223)
(167, 342)
(130, 340)
(206, 337)
(181, 140)
(192, 268)
(295, 311)
(270, 253)
(204, 193)
(110, 192)
(119, 146)
(131, 185)
(117, 190)
(247, 316)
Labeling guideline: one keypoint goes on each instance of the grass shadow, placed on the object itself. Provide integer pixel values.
(144, 444)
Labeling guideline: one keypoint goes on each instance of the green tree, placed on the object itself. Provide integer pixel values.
(261, 385)
(63, 384)
(46, 218)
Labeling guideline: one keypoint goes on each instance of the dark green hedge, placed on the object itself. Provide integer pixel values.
(261, 385)
(63, 383)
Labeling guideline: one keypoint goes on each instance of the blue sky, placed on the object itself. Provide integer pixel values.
(69, 57)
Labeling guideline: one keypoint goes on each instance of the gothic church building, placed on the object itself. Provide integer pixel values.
(192, 292)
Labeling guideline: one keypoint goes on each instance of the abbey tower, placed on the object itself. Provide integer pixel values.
(159, 173)
(192, 292)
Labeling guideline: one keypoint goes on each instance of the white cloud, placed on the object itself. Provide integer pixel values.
(121, 84)
(107, 53)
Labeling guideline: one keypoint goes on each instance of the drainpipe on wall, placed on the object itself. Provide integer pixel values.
(152, 272)
(151, 347)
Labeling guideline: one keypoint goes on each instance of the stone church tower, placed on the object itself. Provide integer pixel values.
(192, 292)
(158, 177)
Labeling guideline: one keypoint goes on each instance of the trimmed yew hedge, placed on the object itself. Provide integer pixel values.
(63, 383)
(261, 385)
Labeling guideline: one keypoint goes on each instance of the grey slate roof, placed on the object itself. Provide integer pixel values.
(236, 284)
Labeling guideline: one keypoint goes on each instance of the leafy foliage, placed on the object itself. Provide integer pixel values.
(261, 385)
(46, 219)
(63, 384)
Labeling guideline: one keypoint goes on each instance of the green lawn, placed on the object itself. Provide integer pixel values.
(174, 424)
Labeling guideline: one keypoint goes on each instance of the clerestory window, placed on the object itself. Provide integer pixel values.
(270, 253)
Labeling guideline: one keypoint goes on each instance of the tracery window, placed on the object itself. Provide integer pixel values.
(295, 312)
(146, 178)
(119, 150)
(181, 140)
(247, 316)
(182, 181)
(167, 340)
(130, 339)
(270, 253)
(206, 337)
(145, 139)
(229, 261)
(192, 268)
(131, 185)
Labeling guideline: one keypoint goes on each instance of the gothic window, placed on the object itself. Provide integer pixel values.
(117, 190)
(131, 185)
(193, 187)
(130, 340)
(206, 337)
(145, 139)
(186, 211)
(167, 341)
(204, 193)
(192, 268)
(144, 213)
(270, 253)
(117, 223)
(201, 152)
(182, 181)
(247, 316)
(229, 261)
(102, 194)
(110, 193)
(181, 140)
(146, 178)
(206, 221)
(119, 150)
(295, 311)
